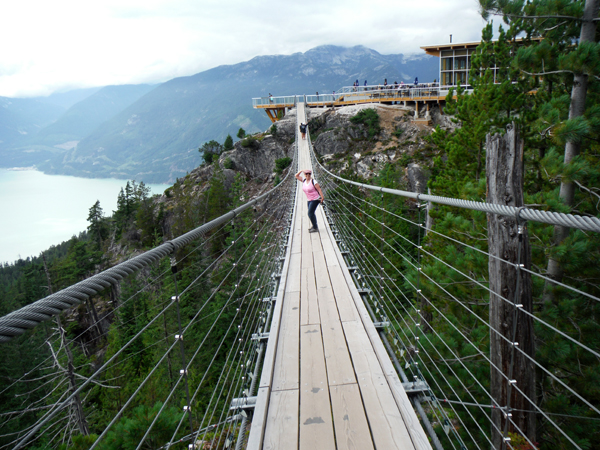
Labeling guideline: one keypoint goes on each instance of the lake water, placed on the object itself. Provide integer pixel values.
(39, 210)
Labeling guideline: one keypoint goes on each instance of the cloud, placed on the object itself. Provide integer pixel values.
(68, 43)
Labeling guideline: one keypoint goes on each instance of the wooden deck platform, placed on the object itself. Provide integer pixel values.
(327, 381)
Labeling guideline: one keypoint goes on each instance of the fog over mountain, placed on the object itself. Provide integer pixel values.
(155, 137)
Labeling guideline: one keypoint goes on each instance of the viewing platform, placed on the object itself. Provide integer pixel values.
(404, 94)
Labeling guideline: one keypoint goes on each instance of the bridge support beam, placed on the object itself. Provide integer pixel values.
(275, 113)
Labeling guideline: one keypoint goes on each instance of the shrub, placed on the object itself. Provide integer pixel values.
(370, 119)
(250, 142)
(274, 130)
(276, 181)
(228, 163)
(398, 132)
(282, 163)
(241, 134)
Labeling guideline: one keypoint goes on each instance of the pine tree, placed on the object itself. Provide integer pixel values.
(97, 228)
(228, 144)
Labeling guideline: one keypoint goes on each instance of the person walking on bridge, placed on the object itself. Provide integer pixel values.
(303, 130)
(314, 195)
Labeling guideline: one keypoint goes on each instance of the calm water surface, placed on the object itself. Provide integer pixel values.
(38, 210)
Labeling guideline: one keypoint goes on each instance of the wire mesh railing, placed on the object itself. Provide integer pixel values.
(430, 290)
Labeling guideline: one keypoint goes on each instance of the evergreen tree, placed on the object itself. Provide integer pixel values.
(241, 134)
(97, 228)
(228, 144)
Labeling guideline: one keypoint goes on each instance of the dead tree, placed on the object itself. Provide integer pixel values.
(512, 382)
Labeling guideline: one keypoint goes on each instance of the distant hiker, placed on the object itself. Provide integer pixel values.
(314, 195)
(303, 130)
(365, 82)
(317, 96)
(416, 81)
(385, 81)
(270, 98)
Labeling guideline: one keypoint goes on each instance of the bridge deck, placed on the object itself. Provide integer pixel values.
(327, 382)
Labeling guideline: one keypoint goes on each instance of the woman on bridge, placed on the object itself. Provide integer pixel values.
(314, 195)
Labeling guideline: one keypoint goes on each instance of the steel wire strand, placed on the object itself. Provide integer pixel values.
(193, 357)
(200, 385)
(520, 390)
(495, 331)
(548, 217)
(148, 284)
(243, 368)
(434, 379)
(17, 322)
(362, 251)
(383, 305)
(206, 372)
(538, 275)
(58, 407)
(119, 352)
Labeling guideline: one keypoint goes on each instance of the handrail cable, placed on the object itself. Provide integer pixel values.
(553, 376)
(17, 322)
(558, 331)
(192, 320)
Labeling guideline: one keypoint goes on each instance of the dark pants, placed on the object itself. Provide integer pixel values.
(312, 207)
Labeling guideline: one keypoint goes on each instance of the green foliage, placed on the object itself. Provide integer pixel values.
(228, 164)
(129, 431)
(251, 143)
(370, 119)
(273, 130)
(98, 228)
(210, 150)
(282, 163)
(241, 134)
(228, 144)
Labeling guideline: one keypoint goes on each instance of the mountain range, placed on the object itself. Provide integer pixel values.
(152, 133)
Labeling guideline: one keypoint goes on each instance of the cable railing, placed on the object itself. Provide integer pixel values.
(197, 295)
(431, 291)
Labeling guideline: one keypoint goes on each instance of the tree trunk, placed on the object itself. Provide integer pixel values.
(572, 148)
(76, 405)
(505, 187)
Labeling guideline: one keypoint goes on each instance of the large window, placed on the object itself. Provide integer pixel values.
(454, 66)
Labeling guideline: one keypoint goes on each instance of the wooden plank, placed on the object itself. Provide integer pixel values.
(343, 297)
(266, 377)
(316, 427)
(309, 306)
(321, 273)
(281, 430)
(351, 427)
(386, 422)
(259, 419)
(416, 431)
(337, 356)
(293, 276)
(327, 307)
(285, 374)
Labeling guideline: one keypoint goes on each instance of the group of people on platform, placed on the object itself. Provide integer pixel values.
(394, 85)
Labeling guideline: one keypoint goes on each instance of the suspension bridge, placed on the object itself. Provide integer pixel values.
(336, 339)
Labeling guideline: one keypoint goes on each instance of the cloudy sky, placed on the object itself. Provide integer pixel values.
(62, 44)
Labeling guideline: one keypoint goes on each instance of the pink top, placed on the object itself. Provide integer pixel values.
(310, 190)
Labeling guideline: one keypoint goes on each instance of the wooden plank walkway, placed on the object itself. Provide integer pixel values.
(327, 382)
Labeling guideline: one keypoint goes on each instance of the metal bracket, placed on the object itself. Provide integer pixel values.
(416, 387)
(243, 403)
(260, 337)
(380, 325)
